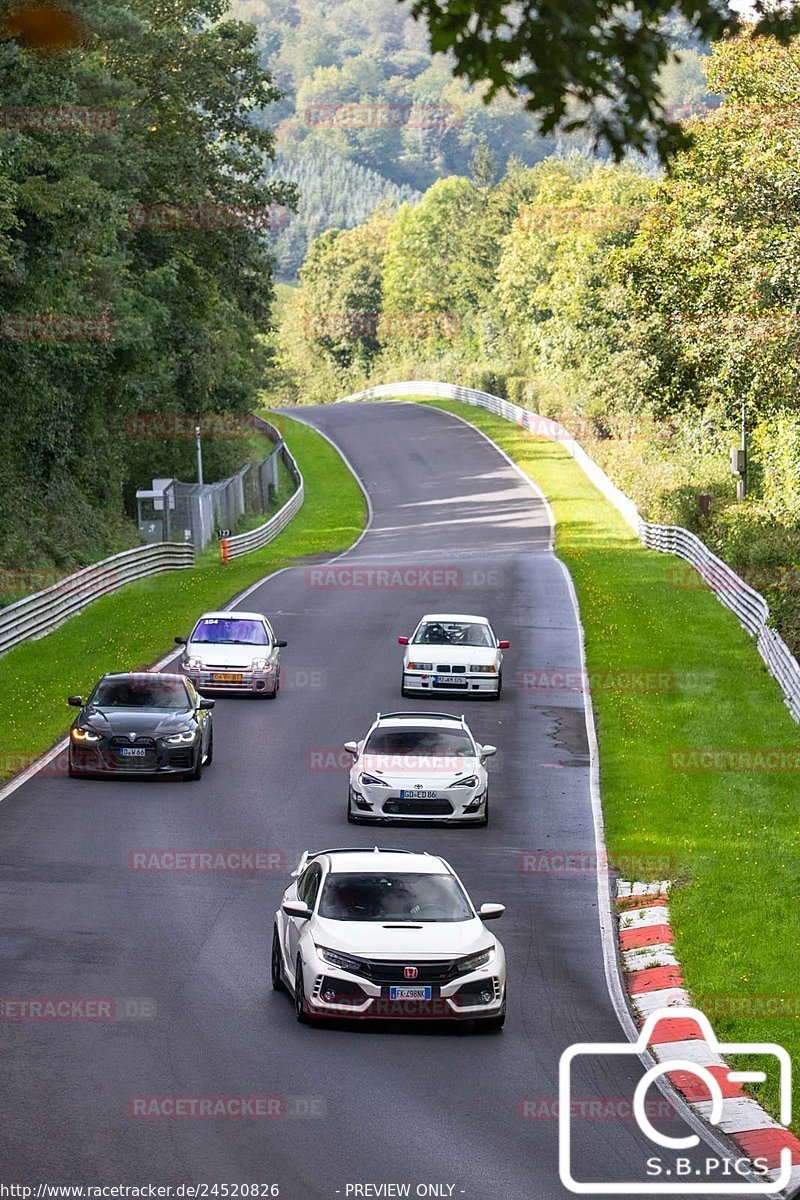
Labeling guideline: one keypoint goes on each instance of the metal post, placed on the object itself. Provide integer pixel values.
(199, 453)
(741, 483)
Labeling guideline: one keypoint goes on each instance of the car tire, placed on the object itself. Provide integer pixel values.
(482, 824)
(276, 966)
(210, 752)
(198, 770)
(71, 772)
(496, 695)
(403, 689)
(299, 994)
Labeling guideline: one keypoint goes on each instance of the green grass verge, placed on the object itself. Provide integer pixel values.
(731, 835)
(135, 626)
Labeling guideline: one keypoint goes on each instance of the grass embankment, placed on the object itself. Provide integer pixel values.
(732, 835)
(135, 626)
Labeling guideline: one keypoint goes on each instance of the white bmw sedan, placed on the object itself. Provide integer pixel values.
(386, 934)
(233, 651)
(418, 766)
(454, 655)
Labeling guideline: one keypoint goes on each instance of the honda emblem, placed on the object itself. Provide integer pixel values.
(410, 972)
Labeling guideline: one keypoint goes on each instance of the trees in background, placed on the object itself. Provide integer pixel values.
(169, 93)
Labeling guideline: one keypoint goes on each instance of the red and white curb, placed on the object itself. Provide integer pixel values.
(653, 981)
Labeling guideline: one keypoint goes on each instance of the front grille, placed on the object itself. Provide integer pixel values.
(148, 742)
(453, 670)
(459, 687)
(127, 762)
(419, 808)
(379, 971)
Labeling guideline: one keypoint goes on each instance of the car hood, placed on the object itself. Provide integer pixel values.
(145, 721)
(402, 940)
(428, 771)
(466, 655)
(224, 654)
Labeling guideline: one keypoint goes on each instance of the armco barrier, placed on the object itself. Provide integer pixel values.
(748, 605)
(254, 539)
(36, 615)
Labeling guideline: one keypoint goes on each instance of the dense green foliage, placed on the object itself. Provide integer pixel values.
(596, 62)
(641, 311)
(361, 84)
(181, 307)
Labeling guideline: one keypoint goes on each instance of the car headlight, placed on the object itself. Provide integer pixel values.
(484, 670)
(470, 782)
(193, 663)
(473, 961)
(261, 664)
(180, 739)
(370, 780)
(417, 666)
(84, 735)
(345, 962)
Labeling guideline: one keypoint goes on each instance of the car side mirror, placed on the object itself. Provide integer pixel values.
(505, 645)
(488, 751)
(296, 908)
(181, 641)
(281, 644)
(402, 641)
(351, 748)
(75, 701)
(204, 703)
(490, 912)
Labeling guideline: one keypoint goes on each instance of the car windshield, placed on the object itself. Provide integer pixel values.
(136, 691)
(453, 633)
(428, 742)
(412, 897)
(233, 631)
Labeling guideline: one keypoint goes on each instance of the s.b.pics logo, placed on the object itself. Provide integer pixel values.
(715, 1091)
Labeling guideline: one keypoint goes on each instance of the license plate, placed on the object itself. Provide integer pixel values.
(418, 795)
(226, 678)
(459, 680)
(409, 993)
(133, 751)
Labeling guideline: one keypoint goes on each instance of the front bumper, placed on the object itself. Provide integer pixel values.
(243, 680)
(424, 683)
(459, 806)
(337, 993)
(103, 759)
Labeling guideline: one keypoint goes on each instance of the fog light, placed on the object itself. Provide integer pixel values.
(329, 996)
(486, 997)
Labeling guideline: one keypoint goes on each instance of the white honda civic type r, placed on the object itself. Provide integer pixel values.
(452, 654)
(372, 933)
(419, 766)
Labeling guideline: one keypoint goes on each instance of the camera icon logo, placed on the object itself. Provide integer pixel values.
(638, 1048)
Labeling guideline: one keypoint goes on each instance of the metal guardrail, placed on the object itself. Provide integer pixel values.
(748, 605)
(41, 613)
(254, 539)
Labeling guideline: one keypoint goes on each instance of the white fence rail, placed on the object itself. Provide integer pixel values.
(44, 611)
(254, 539)
(748, 605)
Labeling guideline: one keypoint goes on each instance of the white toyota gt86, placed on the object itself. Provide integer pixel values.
(386, 934)
(419, 766)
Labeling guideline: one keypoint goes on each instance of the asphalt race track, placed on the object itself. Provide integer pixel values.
(186, 955)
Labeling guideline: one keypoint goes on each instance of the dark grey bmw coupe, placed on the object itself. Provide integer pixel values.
(141, 723)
